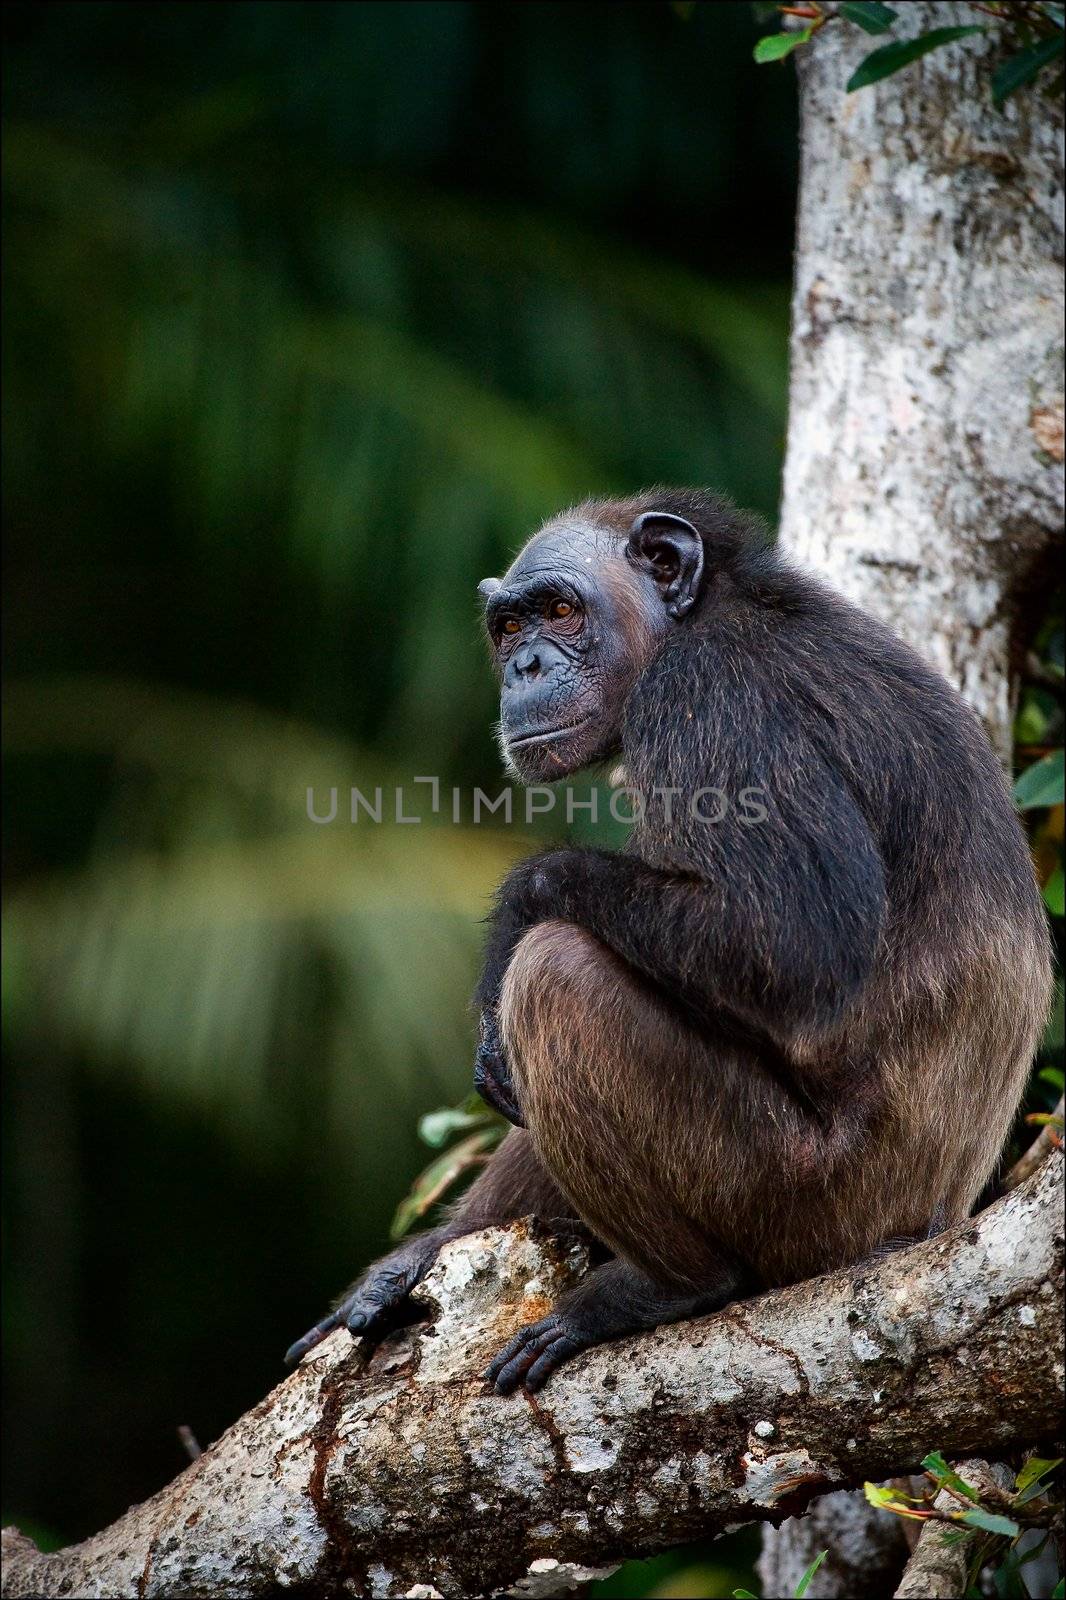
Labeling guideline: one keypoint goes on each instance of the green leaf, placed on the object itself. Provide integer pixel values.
(776, 46)
(1022, 68)
(1042, 784)
(886, 1499)
(441, 1175)
(947, 1477)
(871, 16)
(881, 1497)
(437, 1127)
(1032, 1492)
(1007, 1578)
(804, 1583)
(1055, 893)
(893, 57)
(744, 1594)
(1034, 1469)
(1034, 1552)
(989, 1521)
(1034, 716)
(1059, 1591)
(1055, 1077)
(934, 1462)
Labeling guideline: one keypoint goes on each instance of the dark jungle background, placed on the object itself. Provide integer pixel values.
(312, 311)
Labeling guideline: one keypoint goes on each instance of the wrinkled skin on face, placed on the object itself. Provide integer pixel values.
(572, 623)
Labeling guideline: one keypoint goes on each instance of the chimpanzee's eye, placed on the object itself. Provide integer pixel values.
(560, 609)
(512, 625)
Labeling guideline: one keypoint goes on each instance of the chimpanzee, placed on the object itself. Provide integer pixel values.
(792, 1019)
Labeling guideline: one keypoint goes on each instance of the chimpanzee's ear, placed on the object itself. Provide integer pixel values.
(671, 551)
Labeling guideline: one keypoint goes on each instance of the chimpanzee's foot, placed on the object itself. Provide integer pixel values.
(379, 1302)
(889, 1247)
(613, 1300)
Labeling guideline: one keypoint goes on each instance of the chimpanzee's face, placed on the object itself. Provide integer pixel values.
(573, 622)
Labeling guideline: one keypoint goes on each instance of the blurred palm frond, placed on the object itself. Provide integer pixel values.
(341, 399)
(211, 906)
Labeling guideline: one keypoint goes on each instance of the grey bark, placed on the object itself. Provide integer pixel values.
(404, 1477)
(923, 474)
(925, 443)
(867, 1550)
(937, 1569)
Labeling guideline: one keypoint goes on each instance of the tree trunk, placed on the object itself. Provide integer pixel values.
(923, 475)
(924, 465)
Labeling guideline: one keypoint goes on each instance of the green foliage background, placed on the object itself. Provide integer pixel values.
(311, 313)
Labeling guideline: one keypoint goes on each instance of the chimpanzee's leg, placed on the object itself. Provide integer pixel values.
(629, 1110)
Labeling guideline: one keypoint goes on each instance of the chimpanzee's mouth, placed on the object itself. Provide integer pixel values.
(544, 735)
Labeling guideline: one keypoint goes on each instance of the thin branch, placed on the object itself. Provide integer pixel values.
(938, 1568)
(1046, 1141)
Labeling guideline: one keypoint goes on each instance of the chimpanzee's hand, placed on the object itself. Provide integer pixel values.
(543, 882)
(492, 1075)
(378, 1301)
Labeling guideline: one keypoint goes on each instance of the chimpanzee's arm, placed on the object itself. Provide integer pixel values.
(777, 924)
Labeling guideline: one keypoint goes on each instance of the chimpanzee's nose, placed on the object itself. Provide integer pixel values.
(526, 662)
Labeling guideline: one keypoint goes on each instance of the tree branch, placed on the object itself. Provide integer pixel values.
(376, 1478)
(1047, 1139)
(938, 1568)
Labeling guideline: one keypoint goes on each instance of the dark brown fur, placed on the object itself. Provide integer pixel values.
(743, 1055)
(672, 1134)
